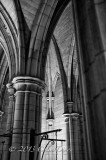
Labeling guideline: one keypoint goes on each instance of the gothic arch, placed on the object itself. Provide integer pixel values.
(44, 51)
(8, 41)
(7, 49)
(41, 37)
(20, 37)
(39, 33)
(57, 13)
(16, 31)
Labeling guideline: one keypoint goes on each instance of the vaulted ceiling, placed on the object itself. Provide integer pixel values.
(62, 45)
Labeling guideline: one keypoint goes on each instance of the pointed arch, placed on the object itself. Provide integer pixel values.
(21, 37)
(41, 38)
(39, 31)
(57, 13)
(9, 41)
(7, 46)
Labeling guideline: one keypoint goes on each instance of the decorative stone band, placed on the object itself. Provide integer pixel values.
(75, 115)
(29, 92)
(22, 82)
(52, 98)
(70, 113)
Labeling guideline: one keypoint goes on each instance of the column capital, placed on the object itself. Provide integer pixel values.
(27, 83)
(75, 115)
(66, 117)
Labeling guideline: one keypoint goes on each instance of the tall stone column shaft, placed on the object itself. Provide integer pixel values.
(76, 138)
(27, 115)
(68, 148)
(50, 125)
(91, 37)
(69, 137)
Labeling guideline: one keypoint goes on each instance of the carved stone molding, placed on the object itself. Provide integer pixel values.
(28, 84)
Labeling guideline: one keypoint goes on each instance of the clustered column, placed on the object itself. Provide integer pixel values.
(90, 24)
(75, 133)
(27, 116)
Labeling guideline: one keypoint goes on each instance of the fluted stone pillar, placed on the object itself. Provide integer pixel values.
(10, 119)
(27, 115)
(91, 34)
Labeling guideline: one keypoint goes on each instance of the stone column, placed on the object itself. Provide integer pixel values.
(76, 136)
(82, 140)
(27, 115)
(90, 16)
(50, 125)
(69, 138)
(73, 130)
(10, 119)
(67, 123)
